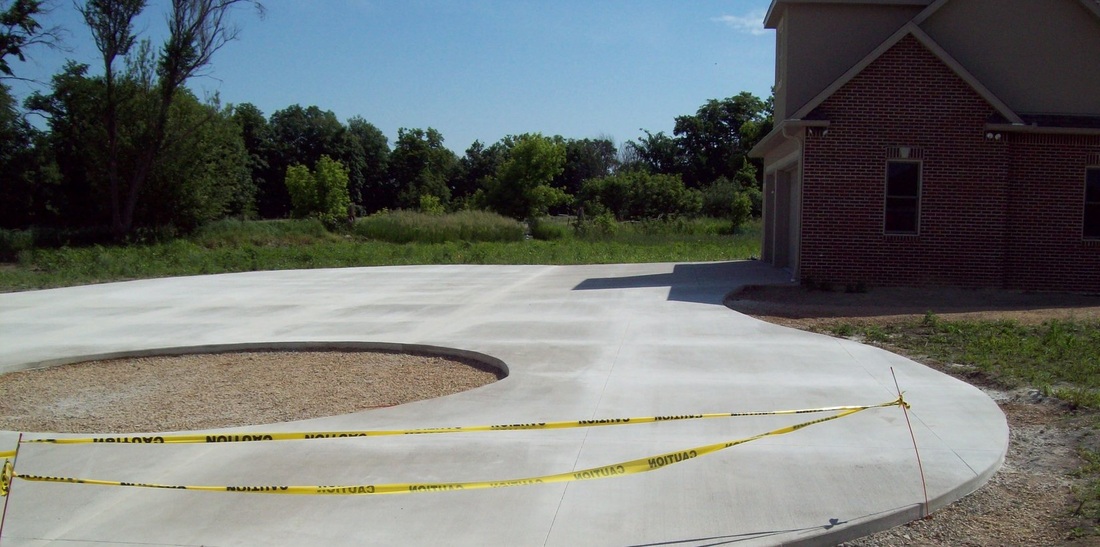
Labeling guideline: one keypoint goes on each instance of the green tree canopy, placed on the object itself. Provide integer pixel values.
(365, 151)
(714, 140)
(322, 192)
(586, 159)
(420, 164)
(521, 187)
(201, 172)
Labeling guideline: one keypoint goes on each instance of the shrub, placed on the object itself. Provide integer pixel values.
(13, 241)
(322, 193)
(729, 200)
(601, 226)
(546, 229)
(410, 227)
(430, 205)
(638, 195)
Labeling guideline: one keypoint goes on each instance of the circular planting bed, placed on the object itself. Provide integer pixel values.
(212, 390)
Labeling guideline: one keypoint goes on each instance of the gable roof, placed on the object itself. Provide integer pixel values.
(771, 19)
(911, 29)
(1003, 111)
(1091, 5)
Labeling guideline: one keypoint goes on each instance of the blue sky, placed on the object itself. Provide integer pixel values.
(475, 69)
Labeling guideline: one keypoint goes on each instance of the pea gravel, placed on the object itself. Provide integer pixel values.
(204, 391)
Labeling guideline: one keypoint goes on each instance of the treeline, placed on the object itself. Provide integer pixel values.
(123, 154)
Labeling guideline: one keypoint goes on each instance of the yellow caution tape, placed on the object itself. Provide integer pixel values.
(8, 454)
(307, 435)
(631, 467)
(5, 478)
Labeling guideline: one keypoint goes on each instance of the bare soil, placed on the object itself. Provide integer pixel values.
(1030, 500)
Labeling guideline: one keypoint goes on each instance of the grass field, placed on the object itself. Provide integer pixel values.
(395, 239)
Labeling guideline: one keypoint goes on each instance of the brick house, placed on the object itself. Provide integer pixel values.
(935, 142)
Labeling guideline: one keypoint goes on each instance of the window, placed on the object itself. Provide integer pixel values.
(1092, 203)
(902, 196)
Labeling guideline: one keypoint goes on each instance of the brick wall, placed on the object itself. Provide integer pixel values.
(1046, 211)
(906, 98)
(1000, 212)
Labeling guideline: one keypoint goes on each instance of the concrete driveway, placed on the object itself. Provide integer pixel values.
(580, 342)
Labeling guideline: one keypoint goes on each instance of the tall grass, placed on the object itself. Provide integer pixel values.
(234, 246)
(410, 227)
(237, 233)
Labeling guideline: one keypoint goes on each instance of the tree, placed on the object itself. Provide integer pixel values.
(322, 192)
(419, 165)
(657, 153)
(200, 174)
(713, 140)
(475, 168)
(640, 195)
(76, 141)
(256, 137)
(521, 187)
(27, 179)
(586, 159)
(197, 29)
(20, 30)
(299, 136)
(366, 151)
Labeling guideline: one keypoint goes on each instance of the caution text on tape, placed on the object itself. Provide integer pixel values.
(312, 435)
(641, 465)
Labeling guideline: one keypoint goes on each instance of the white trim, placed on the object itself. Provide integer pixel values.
(939, 52)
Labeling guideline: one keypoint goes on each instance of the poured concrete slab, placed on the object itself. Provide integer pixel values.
(583, 342)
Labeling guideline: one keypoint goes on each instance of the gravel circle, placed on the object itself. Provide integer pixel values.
(206, 391)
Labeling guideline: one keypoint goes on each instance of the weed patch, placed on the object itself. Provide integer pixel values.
(1058, 356)
(417, 227)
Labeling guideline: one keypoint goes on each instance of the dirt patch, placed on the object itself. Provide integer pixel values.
(189, 392)
(1029, 501)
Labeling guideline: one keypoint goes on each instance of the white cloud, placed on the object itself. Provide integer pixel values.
(751, 23)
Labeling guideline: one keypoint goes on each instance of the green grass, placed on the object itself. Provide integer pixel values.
(1059, 357)
(235, 246)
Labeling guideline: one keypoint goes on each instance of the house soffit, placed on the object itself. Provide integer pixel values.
(926, 40)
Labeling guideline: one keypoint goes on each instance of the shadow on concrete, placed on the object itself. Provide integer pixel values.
(706, 283)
